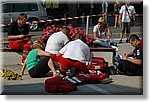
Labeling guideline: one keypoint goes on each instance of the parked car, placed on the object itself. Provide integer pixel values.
(34, 10)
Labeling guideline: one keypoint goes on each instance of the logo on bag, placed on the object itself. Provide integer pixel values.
(97, 67)
(138, 52)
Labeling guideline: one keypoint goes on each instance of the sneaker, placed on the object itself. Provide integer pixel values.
(57, 74)
(115, 47)
(20, 64)
(120, 41)
(127, 41)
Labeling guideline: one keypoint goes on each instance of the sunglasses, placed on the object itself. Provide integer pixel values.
(100, 22)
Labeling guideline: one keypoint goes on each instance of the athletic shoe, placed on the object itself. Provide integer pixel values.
(120, 41)
(115, 47)
(20, 64)
(127, 41)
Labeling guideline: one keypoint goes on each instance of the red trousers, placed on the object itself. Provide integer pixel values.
(24, 44)
(66, 64)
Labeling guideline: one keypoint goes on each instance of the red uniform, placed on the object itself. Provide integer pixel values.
(67, 64)
(20, 44)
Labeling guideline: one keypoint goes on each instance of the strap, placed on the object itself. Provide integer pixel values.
(128, 12)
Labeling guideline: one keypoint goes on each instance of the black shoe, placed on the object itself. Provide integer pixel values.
(127, 41)
(120, 41)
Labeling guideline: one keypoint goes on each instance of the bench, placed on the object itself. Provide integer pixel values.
(103, 49)
(9, 50)
(5, 48)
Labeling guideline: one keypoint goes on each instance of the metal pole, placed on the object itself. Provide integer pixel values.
(11, 20)
(65, 21)
(87, 25)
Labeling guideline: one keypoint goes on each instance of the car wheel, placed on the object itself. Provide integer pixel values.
(33, 25)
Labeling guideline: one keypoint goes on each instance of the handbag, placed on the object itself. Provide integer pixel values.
(59, 84)
(131, 18)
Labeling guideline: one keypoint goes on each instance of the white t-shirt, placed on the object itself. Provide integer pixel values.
(99, 34)
(55, 42)
(76, 50)
(125, 15)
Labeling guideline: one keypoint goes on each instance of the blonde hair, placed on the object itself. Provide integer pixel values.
(38, 45)
(102, 19)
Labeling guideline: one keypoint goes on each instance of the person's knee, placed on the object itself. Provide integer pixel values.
(26, 47)
(63, 72)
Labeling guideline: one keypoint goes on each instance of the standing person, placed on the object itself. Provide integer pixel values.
(18, 36)
(100, 34)
(127, 13)
(38, 62)
(56, 41)
(132, 63)
(116, 12)
(104, 8)
(74, 55)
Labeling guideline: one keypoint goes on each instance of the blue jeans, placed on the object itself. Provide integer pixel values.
(113, 42)
(105, 44)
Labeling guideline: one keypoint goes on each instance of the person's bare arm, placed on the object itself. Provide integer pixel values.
(119, 20)
(43, 53)
(130, 54)
(23, 67)
(97, 38)
(135, 61)
(108, 30)
(58, 54)
(11, 37)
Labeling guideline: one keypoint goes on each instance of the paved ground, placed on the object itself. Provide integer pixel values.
(121, 85)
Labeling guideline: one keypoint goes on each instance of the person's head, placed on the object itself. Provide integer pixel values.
(22, 19)
(127, 2)
(81, 37)
(134, 40)
(38, 45)
(102, 22)
(66, 30)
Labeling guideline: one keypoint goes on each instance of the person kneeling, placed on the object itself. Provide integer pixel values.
(74, 54)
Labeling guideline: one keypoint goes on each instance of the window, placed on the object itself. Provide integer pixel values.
(7, 8)
(32, 7)
(20, 7)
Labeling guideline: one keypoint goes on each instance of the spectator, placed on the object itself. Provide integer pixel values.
(100, 34)
(127, 13)
(74, 55)
(104, 8)
(116, 12)
(56, 41)
(132, 63)
(18, 35)
(38, 62)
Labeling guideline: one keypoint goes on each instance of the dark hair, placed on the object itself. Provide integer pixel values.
(66, 28)
(22, 15)
(133, 37)
(81, 37)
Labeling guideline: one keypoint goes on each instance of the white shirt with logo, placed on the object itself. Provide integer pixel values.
(124, 12)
